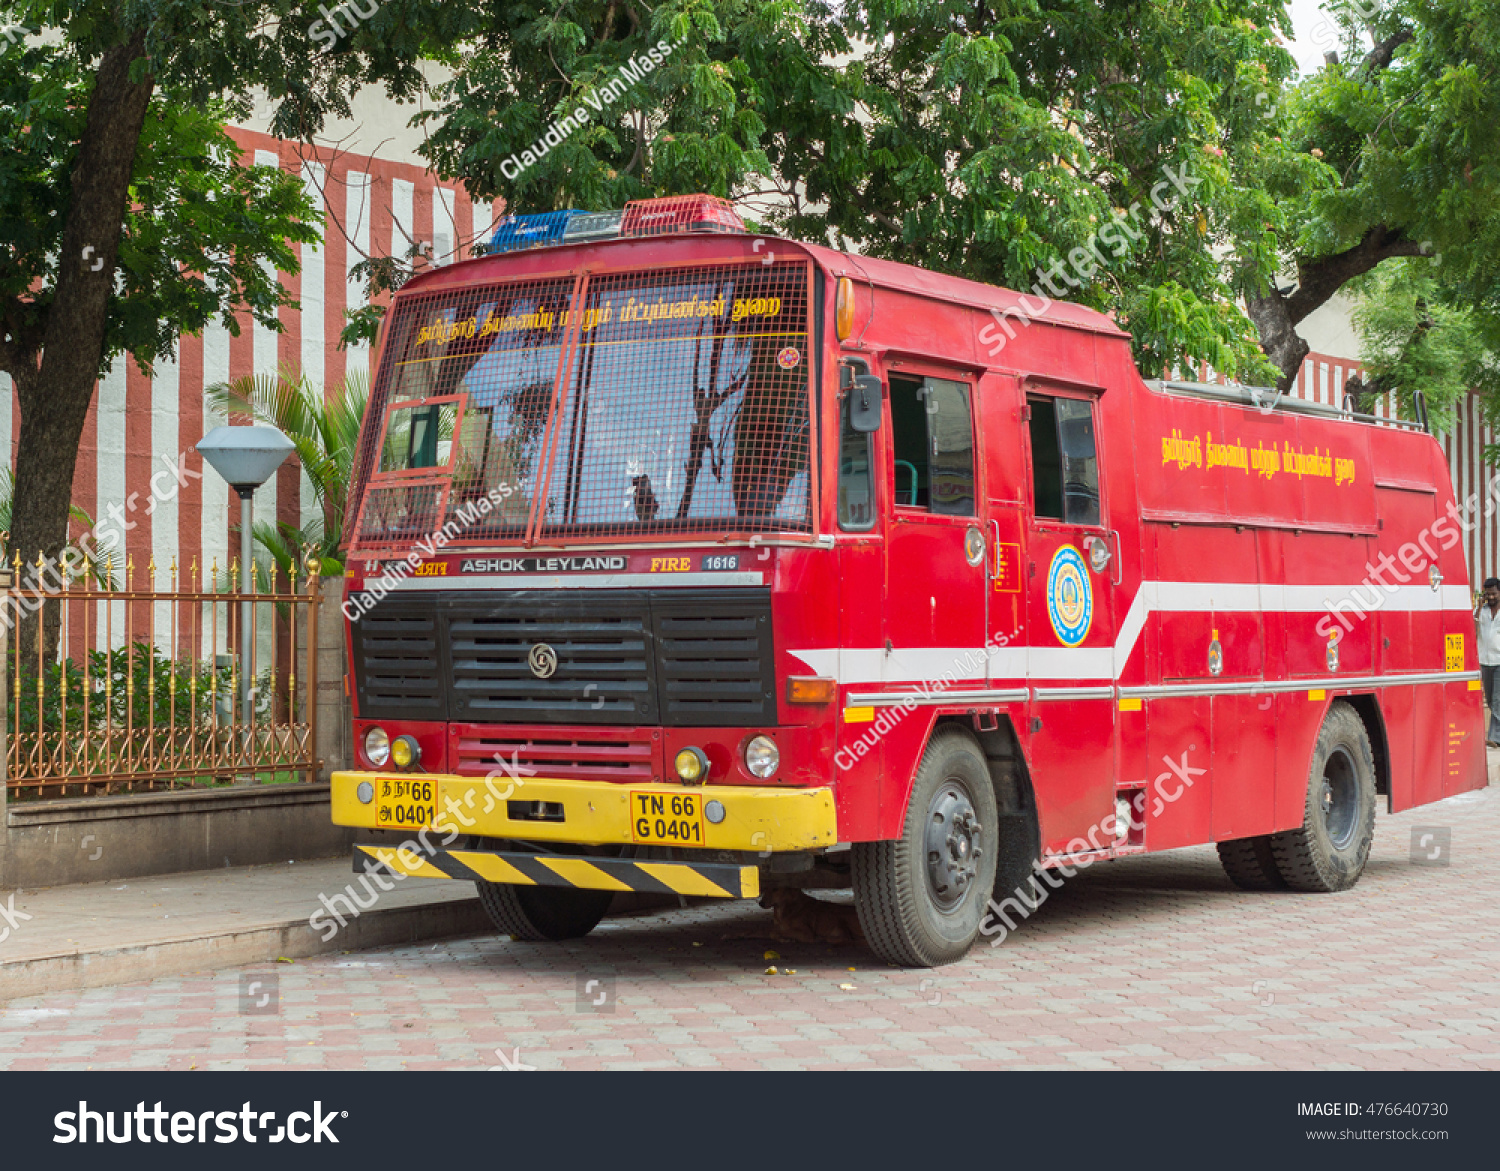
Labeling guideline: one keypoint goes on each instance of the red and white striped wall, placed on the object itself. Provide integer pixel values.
(1322, 380)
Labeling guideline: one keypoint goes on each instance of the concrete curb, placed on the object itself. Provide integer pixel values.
(294, 939)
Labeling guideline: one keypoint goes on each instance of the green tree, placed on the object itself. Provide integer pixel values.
(994, 141)
(1403, 134)
(125, 217)
(1412, 338)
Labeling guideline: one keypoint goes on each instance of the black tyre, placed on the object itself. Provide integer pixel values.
(921, 898)
(536, 913)
(1251, 864)
(1328, 852)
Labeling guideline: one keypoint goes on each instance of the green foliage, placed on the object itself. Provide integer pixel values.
(989, 141)
(1412, 339)
(1396, 148)
(1410, 145)
(324, 428)
(118, 691)
(202, 237)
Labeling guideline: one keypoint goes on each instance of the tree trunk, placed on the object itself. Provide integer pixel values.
(1278, 335)
(1276, 315)
(55, 401)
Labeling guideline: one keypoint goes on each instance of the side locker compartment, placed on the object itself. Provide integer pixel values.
(1243, 781)
(1300, 710)
(1406, 514)
(1179, 733)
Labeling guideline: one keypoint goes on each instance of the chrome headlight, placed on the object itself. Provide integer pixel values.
(762, 757)
(377, 747)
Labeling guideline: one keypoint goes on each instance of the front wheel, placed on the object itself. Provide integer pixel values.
(535, 913)
(1329, 850)
(922, 897)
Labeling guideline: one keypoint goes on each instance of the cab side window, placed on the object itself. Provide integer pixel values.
(856, 477)
(932, 445)
(1064, 460)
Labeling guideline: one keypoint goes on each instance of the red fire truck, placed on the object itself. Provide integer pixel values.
(691, 560)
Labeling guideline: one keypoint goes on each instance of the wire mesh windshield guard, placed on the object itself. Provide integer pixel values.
(604, 408)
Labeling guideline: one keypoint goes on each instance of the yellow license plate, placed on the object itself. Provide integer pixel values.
(405, 803)
(667, 819)
(1453, 648)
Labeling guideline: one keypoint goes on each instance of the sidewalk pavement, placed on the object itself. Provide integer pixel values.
(104, 933)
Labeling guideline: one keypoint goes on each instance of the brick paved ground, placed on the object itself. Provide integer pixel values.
(1149, 963)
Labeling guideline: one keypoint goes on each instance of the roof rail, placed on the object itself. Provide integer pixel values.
(1268, 398)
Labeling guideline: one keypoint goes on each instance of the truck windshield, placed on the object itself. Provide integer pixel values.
(672, 401)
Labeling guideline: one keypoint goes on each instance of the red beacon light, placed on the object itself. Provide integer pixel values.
(679, 213)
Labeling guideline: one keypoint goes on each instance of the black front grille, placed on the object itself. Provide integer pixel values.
(713, 660)
(603, 674)
(673, 657)
(397, 663)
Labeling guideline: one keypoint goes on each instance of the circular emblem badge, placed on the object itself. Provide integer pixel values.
(1070, 600)
(542, 660)
(788, 358)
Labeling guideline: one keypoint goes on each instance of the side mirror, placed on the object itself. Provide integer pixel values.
(866, 398)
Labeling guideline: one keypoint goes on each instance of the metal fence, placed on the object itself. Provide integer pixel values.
(142, 690)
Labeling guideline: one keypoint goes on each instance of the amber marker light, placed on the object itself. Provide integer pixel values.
(691, 765)
(405, 752)
(843, 309)
(811, 689)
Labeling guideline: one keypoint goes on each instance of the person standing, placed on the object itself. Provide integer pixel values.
(1487, 620)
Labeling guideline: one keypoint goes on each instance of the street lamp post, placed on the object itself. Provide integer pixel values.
(245, 457)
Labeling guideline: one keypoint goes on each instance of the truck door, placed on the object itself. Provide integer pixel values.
(935, 553)
(1070, 619)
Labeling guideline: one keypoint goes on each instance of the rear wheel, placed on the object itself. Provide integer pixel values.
(921, 898)
(1250, 864)
(535, 913)
(1329, 850)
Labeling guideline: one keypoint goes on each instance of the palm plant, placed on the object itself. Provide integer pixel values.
(324, 428)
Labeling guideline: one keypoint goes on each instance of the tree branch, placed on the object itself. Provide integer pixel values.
(1276, 316)
(1318, 280)
(1380, 56)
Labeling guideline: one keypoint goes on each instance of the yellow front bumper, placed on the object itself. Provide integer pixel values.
(595, 813)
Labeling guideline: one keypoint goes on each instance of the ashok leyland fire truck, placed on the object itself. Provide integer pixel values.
(697, 561)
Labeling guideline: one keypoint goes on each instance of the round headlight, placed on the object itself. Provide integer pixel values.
(762, 757)
(405, 751)
(377, 746)
(691, 765)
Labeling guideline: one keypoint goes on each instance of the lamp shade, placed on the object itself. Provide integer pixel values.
(245, 456)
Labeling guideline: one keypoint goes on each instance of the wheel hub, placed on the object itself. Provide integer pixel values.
(1339, 799)
(952, 843)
